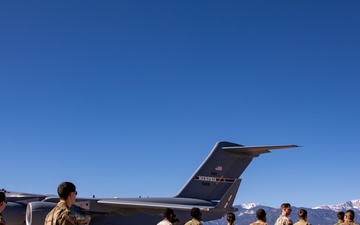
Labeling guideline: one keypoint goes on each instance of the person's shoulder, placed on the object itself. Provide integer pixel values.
(70, 219)
(258, 222)
(188, 222)
(67, 217)
(193, 222)
(2, 220)
(163, 222)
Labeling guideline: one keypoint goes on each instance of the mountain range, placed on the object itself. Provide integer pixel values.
(320, 215)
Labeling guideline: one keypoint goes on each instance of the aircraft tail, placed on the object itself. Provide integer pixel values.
(218, 176)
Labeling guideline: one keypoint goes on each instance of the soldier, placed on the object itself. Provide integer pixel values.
(285, 212)
(302, 218)
(349, 218)
(3, 203)
(196, 217)
(169, 217)
(230, 218)
(340, 215)
(61, 214)
(261, 217)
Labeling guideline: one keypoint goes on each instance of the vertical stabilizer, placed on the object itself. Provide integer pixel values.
(221, 169)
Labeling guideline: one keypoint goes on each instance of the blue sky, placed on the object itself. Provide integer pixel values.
(127, 98)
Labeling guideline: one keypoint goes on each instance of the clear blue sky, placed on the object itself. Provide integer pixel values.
(127, 98)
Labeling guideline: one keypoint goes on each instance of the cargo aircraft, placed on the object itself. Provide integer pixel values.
(212, 188)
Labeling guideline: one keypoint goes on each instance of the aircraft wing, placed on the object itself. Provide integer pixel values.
(178, 205)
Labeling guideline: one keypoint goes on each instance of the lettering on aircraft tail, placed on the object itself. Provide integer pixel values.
(215, 179)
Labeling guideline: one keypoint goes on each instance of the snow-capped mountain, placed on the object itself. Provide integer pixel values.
(354, 204)
(321, 215)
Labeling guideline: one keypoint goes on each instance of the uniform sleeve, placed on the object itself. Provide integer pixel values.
(2, 220)
(67, 219)
(289, 221)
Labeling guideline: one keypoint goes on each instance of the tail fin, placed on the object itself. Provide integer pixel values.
(221, 169)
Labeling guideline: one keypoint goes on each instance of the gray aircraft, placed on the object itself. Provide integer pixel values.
(212, 188)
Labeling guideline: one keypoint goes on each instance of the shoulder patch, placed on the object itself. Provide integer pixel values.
(71, 219)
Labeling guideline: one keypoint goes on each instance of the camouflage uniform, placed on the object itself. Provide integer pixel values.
(164, 222)
(283, 220)
(193, 222)
(339, 222)
(60, 215)
(350, 223)
(302, 222)
(2, 220)
(258, 222)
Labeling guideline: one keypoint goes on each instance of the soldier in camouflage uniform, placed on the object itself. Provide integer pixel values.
(340, 215)
(261, 217)
(285, 212)
(349, 218)
(302, 217)
(3, 203)
(196, 217)
(61, 214)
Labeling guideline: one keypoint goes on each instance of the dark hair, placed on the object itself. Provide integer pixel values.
(261, 214)
(168, 212)
(64, 189)
(285, 205)
(302, 214)
(340, 215)
(350, 214)
(230, 217)
(2, 196)
(195, 212)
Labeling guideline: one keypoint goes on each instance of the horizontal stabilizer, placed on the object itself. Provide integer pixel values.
(253, 151)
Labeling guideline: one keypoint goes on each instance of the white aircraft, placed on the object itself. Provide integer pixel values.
(212, 188)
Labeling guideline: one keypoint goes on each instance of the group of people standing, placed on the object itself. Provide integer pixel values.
(286, 211)
(170, 217)
(62, 215)
(346, 218)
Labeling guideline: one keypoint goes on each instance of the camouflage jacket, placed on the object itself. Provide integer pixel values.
(302, 222)
(258, 222)
(350, 223)
(60, 215)
(283, 220)
(2, 220)
(193, 222)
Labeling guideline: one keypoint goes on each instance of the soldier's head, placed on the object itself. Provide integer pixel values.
(230, 217)
(3, 201)
(286, 209)
(195, 213)
(261, 214)
(340, 215)
(169, 214)
(349, 215)
(302, 214)
(66, 189)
